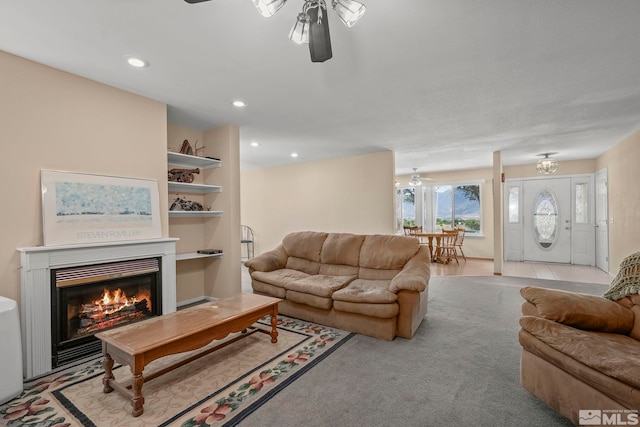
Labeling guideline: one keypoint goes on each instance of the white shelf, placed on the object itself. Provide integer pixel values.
(185, 187)
(188, 161)
(195, 255)
(193, 214)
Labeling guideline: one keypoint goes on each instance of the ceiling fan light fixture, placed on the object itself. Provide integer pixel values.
(415, 178)
(300, 31)
(349, 11)
(547, 165)
(268, 8)
(415, 181)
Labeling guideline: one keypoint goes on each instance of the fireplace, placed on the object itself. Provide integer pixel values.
(89, 299)
(39, 294)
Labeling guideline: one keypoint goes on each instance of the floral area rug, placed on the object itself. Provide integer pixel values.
(218, 389)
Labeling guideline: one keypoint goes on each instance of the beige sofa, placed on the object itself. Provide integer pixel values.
(581, 352)
(374, 285)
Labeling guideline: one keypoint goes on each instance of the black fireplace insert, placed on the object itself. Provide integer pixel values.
(90, 299)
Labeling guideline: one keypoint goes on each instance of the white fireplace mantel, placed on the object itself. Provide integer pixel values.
(36, 264)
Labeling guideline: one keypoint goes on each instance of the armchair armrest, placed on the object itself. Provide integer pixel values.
(587, 312)
(415, 274)
(274, 259)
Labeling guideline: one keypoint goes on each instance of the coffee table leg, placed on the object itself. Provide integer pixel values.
(274, 324)
(107, 364)
(137, 400)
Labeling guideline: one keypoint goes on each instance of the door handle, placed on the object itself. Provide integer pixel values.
(567, 228)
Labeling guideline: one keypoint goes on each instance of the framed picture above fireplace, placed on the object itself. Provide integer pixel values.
(79, 208)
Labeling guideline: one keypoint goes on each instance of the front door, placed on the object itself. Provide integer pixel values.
(547, 220)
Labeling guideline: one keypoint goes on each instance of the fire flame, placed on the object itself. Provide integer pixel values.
(112, 301)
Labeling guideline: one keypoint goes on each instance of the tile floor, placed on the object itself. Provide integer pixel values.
(568, 272)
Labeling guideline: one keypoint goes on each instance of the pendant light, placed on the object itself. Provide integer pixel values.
(547, 165)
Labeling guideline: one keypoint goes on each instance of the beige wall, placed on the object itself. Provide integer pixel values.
(50, 119)
(623, 165)
(222, 277)
(351, 194)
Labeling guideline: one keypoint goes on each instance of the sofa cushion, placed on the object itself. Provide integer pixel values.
(383, 256)
(320, 285)
(267, 289)
(381, 311)
(614, 355)
(278, 277)
(302, 264)
(341, 248)
(308, 299)
(377, 274)
(366, 291)
(304, 244)
(338, 270)
(587, 312)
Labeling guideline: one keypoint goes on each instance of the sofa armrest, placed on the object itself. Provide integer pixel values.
(274, 259)
(415, 274)
(587, 312)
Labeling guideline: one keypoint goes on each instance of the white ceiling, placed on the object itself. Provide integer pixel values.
(443, 83)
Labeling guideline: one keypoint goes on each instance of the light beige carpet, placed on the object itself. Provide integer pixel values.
(218, 389)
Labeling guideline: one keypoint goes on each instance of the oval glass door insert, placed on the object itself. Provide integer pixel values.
(545, 219)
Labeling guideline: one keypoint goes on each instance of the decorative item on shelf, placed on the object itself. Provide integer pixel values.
(180, 204)
(198, 149)
(210, 251)
(182, 175)
(186, 148)
(547, 165)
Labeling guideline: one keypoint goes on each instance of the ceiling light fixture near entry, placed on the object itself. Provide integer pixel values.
(547, 165)
(239, 104)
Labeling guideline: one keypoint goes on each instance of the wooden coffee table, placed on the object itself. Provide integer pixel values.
(140, 343)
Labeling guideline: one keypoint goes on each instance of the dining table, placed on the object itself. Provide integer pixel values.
(434, 250)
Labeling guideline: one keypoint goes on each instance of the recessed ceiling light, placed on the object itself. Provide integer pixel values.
(255, 144)
(239, 104)
(294, 154)
(137, 62)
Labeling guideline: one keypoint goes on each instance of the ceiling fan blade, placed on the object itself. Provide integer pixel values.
(319, 39)
(195, 1)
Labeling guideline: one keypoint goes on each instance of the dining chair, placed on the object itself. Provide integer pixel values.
(412, 229)
(447, 248)
(459, 240)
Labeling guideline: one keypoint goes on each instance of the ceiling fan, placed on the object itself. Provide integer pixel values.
(416, 179)
(312, 26)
